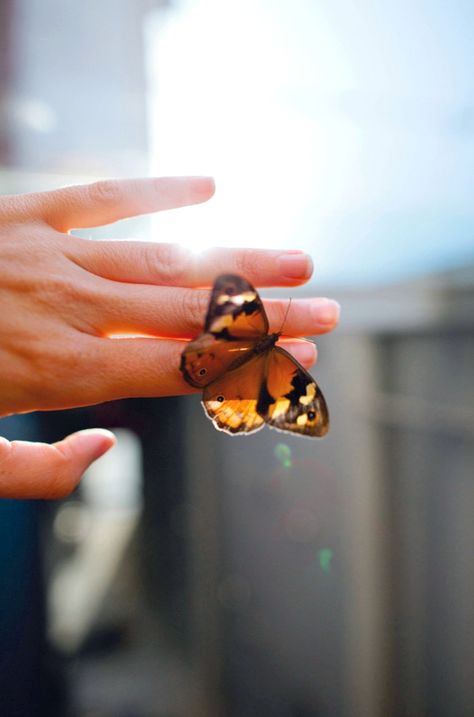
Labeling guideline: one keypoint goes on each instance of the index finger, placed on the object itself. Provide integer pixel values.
(108, 201)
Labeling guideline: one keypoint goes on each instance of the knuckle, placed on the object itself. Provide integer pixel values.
(36, 384)
(106, 191)
(54, 292)
(15, 208)
(71, 359)
(247, 264)
(171, 264)
(51, 364)
(194, 307)
(44, 368)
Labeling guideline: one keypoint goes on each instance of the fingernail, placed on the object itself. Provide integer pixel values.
(206, 185)
(104, 440)
(306, 352)
(296, 265)
(326, 311)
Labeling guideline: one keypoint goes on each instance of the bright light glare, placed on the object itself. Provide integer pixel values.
(343, 129)
(217, 109)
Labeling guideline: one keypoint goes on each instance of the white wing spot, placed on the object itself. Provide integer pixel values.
(238, 299)
(310, 394)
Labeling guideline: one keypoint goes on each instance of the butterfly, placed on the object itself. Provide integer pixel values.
(247, 380)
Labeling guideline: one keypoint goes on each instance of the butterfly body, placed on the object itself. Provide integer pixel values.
(248, 380)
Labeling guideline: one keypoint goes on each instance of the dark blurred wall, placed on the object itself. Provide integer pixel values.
(72, 104)
(336, 577)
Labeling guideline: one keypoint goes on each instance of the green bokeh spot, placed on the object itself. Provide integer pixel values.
(325, 557)
(283, 454)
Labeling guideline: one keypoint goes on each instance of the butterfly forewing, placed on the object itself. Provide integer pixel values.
(235, 309)
(231, 401)
(291, 399)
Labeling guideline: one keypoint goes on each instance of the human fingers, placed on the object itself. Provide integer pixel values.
(40, 470)
(107, 201)
(180, 313)
(136, 367)
(174, 265)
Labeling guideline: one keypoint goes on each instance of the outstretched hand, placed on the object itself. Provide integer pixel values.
(84, 321)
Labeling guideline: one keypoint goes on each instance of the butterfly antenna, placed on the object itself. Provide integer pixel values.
(285, 318)
(311, 341)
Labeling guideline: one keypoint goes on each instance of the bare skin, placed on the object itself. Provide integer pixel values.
(63, 299)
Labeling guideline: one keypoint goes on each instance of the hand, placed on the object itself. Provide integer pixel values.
(63, 298)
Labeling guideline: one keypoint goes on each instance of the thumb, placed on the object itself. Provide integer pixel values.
(40, 470)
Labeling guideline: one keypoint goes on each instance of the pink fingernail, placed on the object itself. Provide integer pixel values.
(326, 311)
(296, 265)
(306, 352)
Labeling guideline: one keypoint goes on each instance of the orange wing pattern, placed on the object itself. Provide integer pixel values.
(291, 400)
(235, 310)
(207, 358)
(247, 381)
(231, 401)
(270, 388)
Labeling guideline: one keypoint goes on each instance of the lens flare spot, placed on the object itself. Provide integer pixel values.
(325, 557)
(283, 455)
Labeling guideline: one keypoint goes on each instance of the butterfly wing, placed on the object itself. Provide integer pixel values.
(231, 401)
(235, 321)
(235, 309)
(248, 381)
(208, 357)
(269, 388)
(290, 399)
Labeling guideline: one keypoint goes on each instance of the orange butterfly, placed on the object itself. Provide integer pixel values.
(247, 381)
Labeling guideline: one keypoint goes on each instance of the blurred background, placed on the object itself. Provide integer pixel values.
(294, 578)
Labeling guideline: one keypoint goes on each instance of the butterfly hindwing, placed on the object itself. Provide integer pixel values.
(231, 400)
(291, 400)
(270, 388)
(207, 357)
(235, 309)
